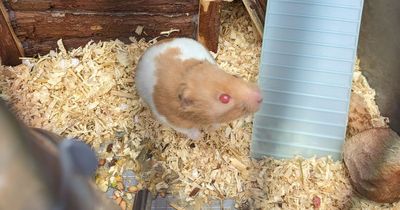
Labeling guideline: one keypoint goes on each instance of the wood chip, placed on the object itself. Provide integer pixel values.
(139, 30)
(176, 206)
(123, 205)
(167, 33)
(194, 192)
(133, 189)
(118, 200)
(120, 186)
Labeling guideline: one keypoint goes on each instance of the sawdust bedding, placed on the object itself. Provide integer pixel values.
(89, 93)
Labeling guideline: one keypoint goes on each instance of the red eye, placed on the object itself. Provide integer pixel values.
(224, 98)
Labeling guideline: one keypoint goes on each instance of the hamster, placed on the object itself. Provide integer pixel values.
(186, 90)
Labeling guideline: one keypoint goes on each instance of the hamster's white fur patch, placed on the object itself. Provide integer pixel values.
(146, 69)
(191, 49)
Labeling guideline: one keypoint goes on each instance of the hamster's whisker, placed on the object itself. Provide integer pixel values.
(244, 107)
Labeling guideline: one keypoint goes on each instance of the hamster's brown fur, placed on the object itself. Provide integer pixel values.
(187, 92)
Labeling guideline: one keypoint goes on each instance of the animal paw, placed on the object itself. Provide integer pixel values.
(194, 134)
(215, 127)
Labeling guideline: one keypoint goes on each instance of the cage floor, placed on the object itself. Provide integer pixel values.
(89, 93)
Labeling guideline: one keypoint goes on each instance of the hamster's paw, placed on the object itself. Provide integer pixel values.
(215, 127)
(192, 133)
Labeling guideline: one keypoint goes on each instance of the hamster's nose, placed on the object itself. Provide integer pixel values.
(256, 96)
(259, 98)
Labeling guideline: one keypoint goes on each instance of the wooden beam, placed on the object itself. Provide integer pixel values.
(209, 24)
(261, 7)
(10, 47)
(39, 31)
(145, 6)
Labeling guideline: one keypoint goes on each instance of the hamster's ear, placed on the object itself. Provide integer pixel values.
(184, 96)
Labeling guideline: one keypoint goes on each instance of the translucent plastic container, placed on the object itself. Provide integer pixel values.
(308, 54)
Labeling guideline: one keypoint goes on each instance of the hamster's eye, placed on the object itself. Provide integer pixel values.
(224, 98)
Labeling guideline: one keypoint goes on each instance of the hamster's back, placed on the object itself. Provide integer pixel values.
(146, 68)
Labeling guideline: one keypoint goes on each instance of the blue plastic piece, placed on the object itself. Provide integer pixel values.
(308, 54)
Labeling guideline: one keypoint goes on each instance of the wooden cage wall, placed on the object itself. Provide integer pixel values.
(30, 27)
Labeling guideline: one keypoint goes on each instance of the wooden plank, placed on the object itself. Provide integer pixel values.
(35, 29)
(253, 8)
(10, 47)
(39, 23)
(42, 25)
(34, 47)
(209, 24)
(261, 7)
(153, 6)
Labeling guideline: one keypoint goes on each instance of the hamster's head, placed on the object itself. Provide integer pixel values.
(210, 95)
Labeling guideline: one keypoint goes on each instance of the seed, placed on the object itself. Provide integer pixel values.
(316, 202)
(109, 147)
(112, 162)
(133, 189)
(102, 162)
(194, 192)
(162, 194)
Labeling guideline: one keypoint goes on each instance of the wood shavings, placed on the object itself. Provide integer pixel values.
(167, 33)
(364, 113)
(139, 30)
(89, 93)
(85, 93)
(176, 206)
